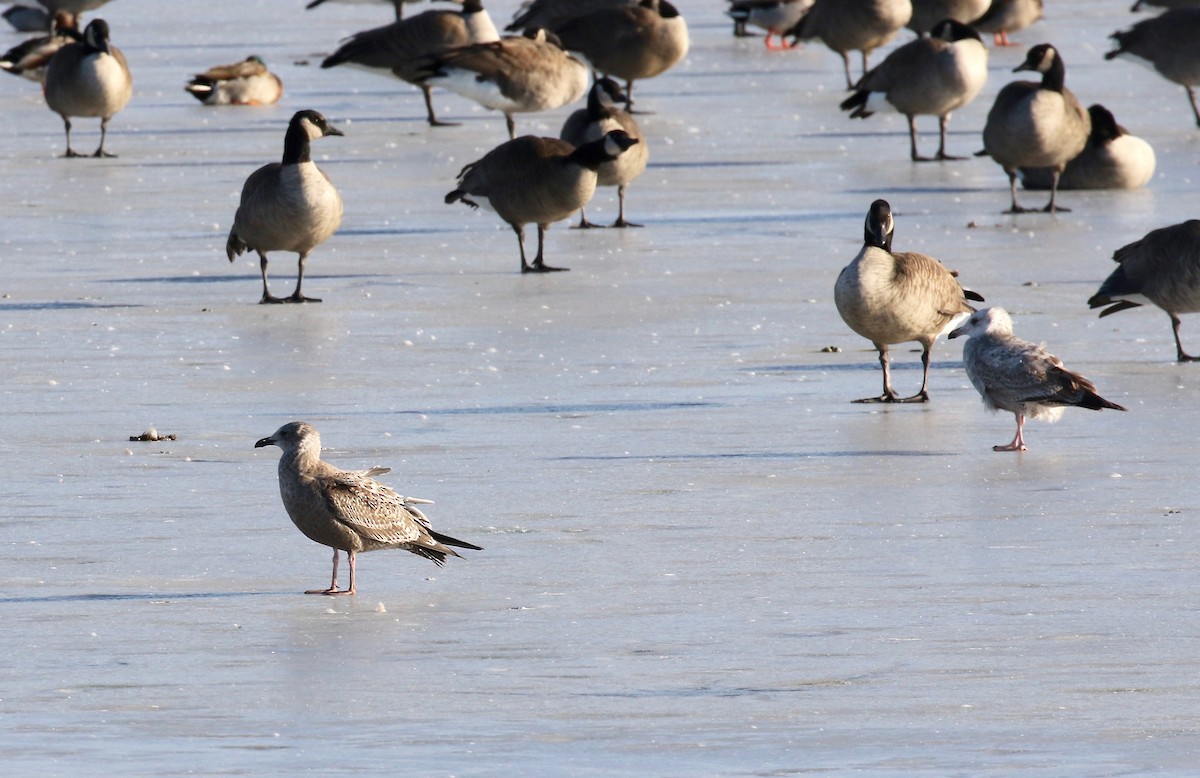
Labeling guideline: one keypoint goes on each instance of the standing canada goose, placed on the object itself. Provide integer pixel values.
(347, 510)
(892, 298)
(594, 122)
(88, 78)
(1167, 43)
(549, 14)
(1005, 16)
(1020, 377)
(1112, 159)
(405, 47)
(31, 58)
(854, 25)
(1036, 125)
(516, 74)
(927, 13)
(289, 205)
(928, 76)
(243, 83)
(774, 16)
(1162, 269)
(537, 181)
(629, 42)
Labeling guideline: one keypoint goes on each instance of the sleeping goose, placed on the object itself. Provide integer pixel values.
(774, 16)
(404, 48)
(289, 205)
(1036, 125)
(594, 122)
(31, 58)
(538, 181)
(1005, 16)
(1112, 159)
(1163, 269)
(925, 77)
(516, 74)
(243, 83)
(853, 25)
(927, 13)
(88, 78)
(891, 298)
(1167, 43)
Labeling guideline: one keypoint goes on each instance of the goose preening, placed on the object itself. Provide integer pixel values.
(774, 16)
(1167, 43)
(1112, 159)
(89, 78)
(927, 13)
(1020, 377)
(348, 510)
(925, 77)
(248, 82)
(892, 298)
(31, 58)
(1005, 16)
(289, 205)
(1163, 269)
(601, 116)
(1036, 125)
(516, 74)
(853, 25)
(404, 48)
(537, 181)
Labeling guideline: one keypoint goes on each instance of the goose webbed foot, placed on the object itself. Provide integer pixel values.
(621, 223)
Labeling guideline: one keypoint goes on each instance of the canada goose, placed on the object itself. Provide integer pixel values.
(1112, 159)
(1163, 269)
(594, 122)
(548, 14)
(348, 510)
(398, 5)
(1020, 377)
(537, 181)
(1166, 43)
(927, 13)
(1137, 6)
(774, 16)
(289, 205)
(891, 298)
(1005, 16)
(75, 7)
(854, 25)
(30, 59)
(27, 18)
(243, 83)
(88, 78)
(928, 76)
(1036, 125)
(405, 47)
(629, 42)
(516, 74)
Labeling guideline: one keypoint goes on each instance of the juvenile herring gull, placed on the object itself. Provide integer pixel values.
(1021, 377)
(348, 510)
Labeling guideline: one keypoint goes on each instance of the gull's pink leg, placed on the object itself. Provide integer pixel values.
(333, 587)
(1018, 441)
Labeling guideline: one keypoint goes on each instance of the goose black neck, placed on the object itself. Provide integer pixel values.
(595, 108)
(1055, 77)
(590, 155)
(296, 145)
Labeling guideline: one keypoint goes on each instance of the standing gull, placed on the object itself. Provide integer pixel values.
(348, 510)
(1162, 269)
(1020, 377)
(896, 298)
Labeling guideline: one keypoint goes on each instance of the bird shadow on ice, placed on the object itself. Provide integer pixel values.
(755, 455)
(579, 408)
(872, 366)
(226, 278)
(60, 305)
(147, 597)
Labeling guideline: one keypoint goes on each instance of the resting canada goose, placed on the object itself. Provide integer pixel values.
(896, 298)
(548, 14)
(1036, 125)
(1005, 16)
(1020, 377)
(289, 205)
(927, 13)
(1167, 43)
(629, 42)
(854, 25)
(516, 74)
(928, 77)
(1112, 159)
(243, 83)
(537, 181)
(774, 16)
(594, 122)
(405, 47)
(88, 78)
(30, 59)
(1162, 269)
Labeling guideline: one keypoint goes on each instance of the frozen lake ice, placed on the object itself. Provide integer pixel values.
(700, 559)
